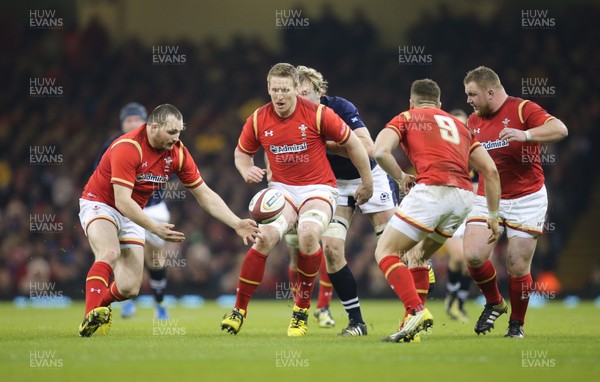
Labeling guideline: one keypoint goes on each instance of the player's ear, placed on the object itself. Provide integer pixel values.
(411, 104)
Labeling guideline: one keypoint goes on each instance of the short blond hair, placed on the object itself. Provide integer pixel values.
(313, 76)
(283, 69)
(483, 77)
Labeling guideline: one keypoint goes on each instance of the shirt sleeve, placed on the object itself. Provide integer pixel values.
(188, 173)
(349, 113)
(333, 127)
(125, 157)
(247, 143)
(396, 124)
(534, 115)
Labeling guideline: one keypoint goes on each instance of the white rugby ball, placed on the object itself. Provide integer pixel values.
(267, 205)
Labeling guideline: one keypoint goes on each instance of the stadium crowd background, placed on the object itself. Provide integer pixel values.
(217, 87)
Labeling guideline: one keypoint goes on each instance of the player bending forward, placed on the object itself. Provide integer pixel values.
(111, 212)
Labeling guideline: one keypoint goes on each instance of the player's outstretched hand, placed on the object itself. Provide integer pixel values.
(255, 175)
(407, 183)
(494, 227)
(247, 229)
(163, 230)
(363, 193)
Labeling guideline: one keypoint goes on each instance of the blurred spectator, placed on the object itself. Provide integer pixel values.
(212, 88)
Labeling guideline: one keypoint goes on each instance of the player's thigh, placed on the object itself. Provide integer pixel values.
(454, 247)
(525, 216)
(313, 218)
(291, 241)
(419, 255)
(476, 249)
(154, 256)
(519, 255)
(130, 270)
(273, 232)
(104, 240)
(393, 242)
(334, 237)
(379, 220)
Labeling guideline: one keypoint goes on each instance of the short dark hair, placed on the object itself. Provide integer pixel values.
(483, 77)
(425, 90)
(283, 69)
(161, 114)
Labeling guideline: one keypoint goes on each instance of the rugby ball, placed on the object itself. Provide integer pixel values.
(267, 205)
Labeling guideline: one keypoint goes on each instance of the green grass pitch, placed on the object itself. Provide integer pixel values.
(561, 344)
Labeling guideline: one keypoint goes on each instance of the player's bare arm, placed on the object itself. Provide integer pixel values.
(385, 144)
(363, 135)
(212, 203)
(481, 161)
(129, 208)
(359, 157)
(553, 130)
(245, 165)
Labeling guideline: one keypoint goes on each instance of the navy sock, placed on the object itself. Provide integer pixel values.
(465, 284)
(345, 286)
(453, 284)
(158, 283)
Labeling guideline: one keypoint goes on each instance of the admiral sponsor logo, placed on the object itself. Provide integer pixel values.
(152, 178)
(498, 143)
(285, 149)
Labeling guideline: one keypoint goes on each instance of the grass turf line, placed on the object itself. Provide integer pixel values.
(42, 344)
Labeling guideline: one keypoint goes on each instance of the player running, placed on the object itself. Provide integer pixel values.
(292, 131)
(511, 130)
(111, 212)
(335, 272)
(441, 149)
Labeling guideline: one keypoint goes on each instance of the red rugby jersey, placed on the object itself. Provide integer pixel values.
(131, 162)
(518, 162)
(437, 144)
(295, 145)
